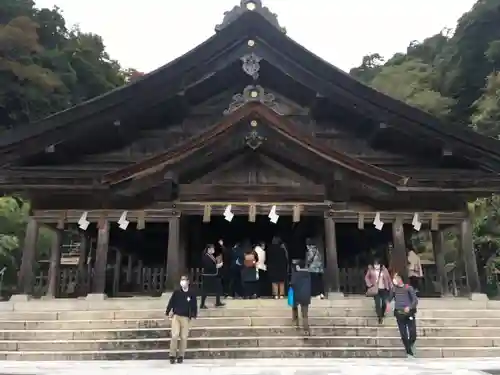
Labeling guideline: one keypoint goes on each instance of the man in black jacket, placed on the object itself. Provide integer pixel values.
(182, 307)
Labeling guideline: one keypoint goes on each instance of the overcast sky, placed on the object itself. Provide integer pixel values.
(146, 34)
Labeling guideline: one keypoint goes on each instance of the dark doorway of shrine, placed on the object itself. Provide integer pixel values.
(356, 248)
(240, 229)
(148, 245)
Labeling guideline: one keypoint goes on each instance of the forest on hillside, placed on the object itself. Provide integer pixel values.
(454, 75)
(45, 67)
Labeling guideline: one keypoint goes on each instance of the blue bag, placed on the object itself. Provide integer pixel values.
(291, 298)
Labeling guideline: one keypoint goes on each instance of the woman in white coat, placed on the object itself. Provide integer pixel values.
(261, 268)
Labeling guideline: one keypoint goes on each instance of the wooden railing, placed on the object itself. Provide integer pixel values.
(153, 281)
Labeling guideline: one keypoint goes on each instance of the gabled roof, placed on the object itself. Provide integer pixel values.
(251, 111)
(272, 45)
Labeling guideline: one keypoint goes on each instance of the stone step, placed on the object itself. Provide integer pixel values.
(260, 352)
(217, 343)
(240, 332)
(142, 303)
(241, 322)
(221, 332)
(232, 312)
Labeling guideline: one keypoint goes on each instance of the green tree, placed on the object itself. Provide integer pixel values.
(26, 87)
(486, 118)
(44, 68)
(412, 81)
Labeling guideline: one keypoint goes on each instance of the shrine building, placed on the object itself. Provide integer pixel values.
(246, 123)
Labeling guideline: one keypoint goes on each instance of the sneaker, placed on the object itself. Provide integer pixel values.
(180, 359)
(322, 296)
(220, 304)
(203, 307)
(275, 297)
(172, 360)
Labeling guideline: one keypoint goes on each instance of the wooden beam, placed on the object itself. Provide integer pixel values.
(251, 193)
(162, 213)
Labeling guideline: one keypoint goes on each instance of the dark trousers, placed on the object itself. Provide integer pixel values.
(304, 310)
(407, 326)
(264, 285)
(381, 300)
(317, 286)
(250, 288)
(235, 287)
(415, 282)
(211, 286)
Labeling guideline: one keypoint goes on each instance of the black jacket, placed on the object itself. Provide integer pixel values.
(183, 303)
(301, 284)
(209, 265)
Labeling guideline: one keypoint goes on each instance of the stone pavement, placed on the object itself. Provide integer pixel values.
(261, 367)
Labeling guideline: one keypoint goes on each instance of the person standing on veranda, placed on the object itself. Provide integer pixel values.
(277, 267)
(211, 280)
(181, 308)
(261, 269)
(315, 265)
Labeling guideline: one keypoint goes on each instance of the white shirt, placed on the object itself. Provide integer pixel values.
(261, 264)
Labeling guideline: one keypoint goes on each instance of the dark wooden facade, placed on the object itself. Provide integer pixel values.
(248, 118)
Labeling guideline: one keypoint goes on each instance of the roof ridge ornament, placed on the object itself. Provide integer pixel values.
(251, 65)
(249, 6)
(253, 94)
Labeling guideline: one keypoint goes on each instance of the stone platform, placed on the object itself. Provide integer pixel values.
(136, 328)
(478, 366)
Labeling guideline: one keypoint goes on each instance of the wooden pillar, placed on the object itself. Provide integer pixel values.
(26, 275)
(55, 264)
(438, 249)
(173, 253)
(332, 264)
(399, 257)
(82, 263)
(183, 244)
(101, 259)
(469, 257)
(117, 272)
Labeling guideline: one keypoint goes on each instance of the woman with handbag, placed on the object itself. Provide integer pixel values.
(379, 285)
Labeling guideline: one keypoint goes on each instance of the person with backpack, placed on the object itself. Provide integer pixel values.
(301, 288)
(405, 309)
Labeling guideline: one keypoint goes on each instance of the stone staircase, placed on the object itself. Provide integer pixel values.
(136, 328)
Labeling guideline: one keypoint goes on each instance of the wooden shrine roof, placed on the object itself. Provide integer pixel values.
(218, 53)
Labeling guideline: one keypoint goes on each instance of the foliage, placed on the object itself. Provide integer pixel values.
(455, 76)
(486, 118)
(412, 81)
(13, 219)
(44, 68)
